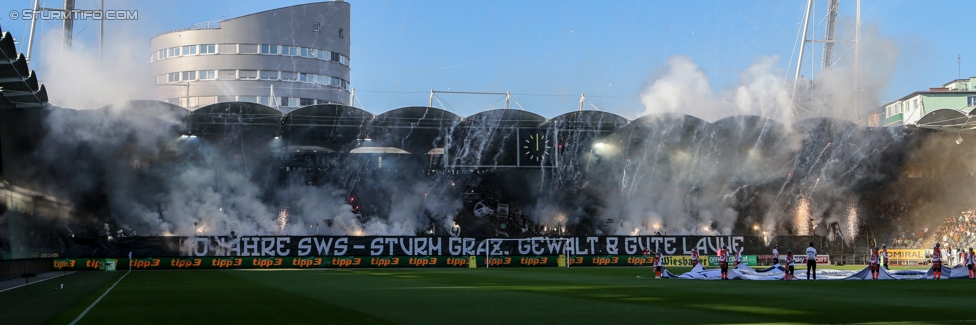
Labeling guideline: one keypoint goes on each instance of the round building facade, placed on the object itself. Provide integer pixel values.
(287, 58)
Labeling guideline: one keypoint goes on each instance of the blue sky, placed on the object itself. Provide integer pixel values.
(546, 53)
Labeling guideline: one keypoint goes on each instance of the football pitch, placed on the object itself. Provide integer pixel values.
(597, 295)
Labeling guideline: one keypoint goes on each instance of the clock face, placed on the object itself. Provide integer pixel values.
(535, 147)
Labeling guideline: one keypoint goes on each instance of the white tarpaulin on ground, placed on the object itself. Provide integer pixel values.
(957, 272)
(777, 272)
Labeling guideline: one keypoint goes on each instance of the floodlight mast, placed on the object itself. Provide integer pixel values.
(828, 49)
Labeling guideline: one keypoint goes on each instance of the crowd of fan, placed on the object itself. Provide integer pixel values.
(909, 235)
(958, 232)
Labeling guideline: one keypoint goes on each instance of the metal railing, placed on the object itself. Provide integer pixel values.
(212, 24)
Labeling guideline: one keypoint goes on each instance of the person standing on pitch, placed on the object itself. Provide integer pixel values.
(694, 258)
(723, 261)
(811, 262)
(971, 263)
(776, 255)
(738, 258)
(873, 266)
(937, 262)
(658, 264)
(788, 275)
(884, 255)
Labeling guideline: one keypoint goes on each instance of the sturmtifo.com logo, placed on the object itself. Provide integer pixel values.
(77, 14)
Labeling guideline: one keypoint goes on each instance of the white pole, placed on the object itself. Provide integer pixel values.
(30, 39)
(857, 64)
(352, 97)
(101, 33)
(799, 63)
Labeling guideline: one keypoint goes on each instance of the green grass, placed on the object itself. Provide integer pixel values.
(494, 296)
(38, 303)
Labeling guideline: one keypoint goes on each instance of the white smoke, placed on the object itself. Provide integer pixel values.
(696, 190)
(77, 77)
(682, 87)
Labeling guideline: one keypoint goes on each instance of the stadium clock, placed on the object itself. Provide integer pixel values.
(535, 147)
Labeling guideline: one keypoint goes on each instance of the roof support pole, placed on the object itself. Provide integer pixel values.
(799, 63)
(30, 39)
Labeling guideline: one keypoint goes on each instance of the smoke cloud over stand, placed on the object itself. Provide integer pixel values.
(742, 160)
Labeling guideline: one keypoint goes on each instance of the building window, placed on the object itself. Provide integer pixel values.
(162, 54)
(208, 48)
(324, 55)
(341, 32)
(190, 50)
(315, 27)
(269, 49)
(226, 74)
(173, 77)
(247, 74)
(971, 101)
(248, 99)
(207, 74)
(306, 101)
(250, 48)
(226, 49)
(289, 50)
(290, 101)
(174, 51)
(269, 75)
(289, 76)
(344, 59)
(335, 56)
(189, 75)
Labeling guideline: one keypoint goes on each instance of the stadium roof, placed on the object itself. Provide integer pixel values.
(230, 118)
(18, 84)
(946, 119)
(588, 120)
(507, 117)
(330, 126)
(415, 128)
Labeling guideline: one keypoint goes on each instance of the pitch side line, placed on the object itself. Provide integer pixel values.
(38, 281)
(97, 300)
(916, 322)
